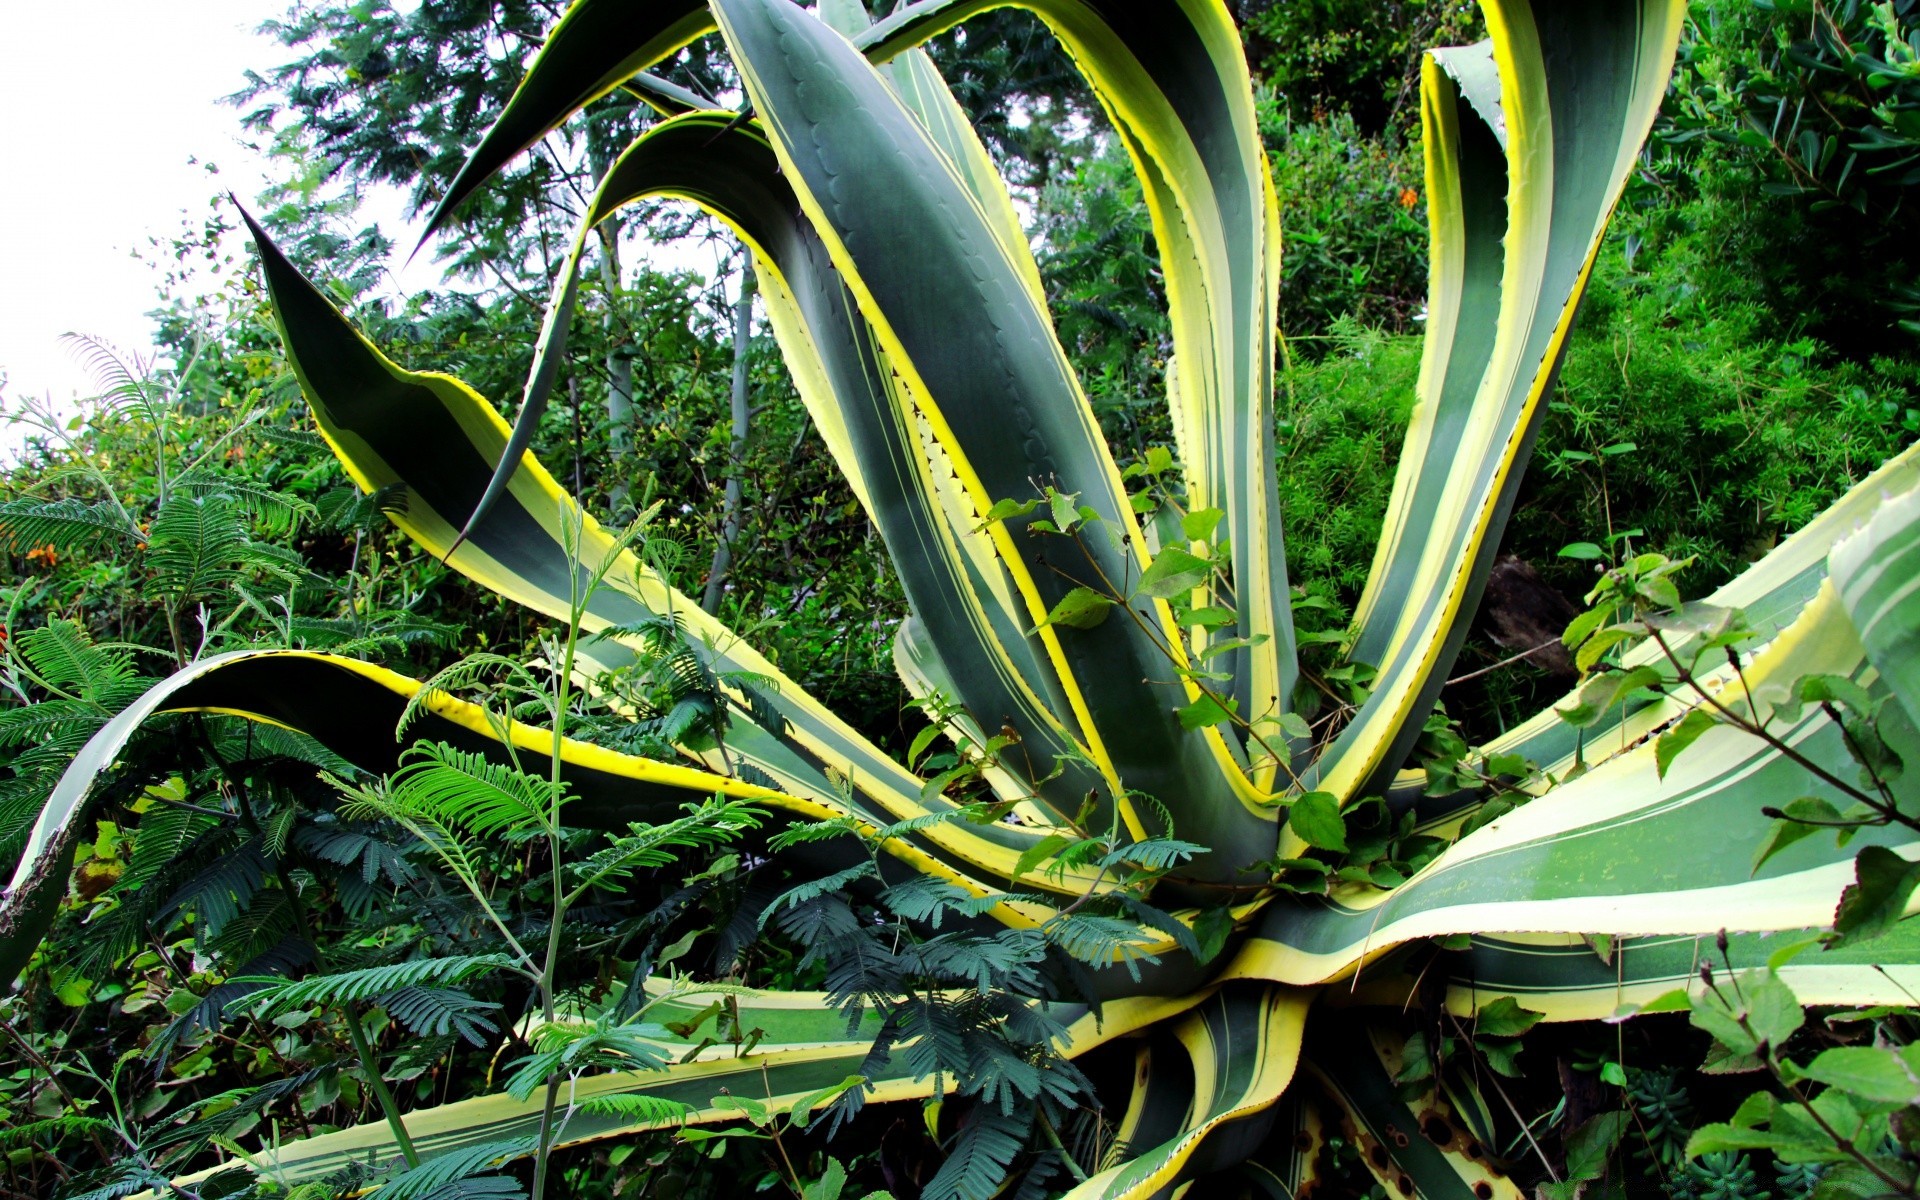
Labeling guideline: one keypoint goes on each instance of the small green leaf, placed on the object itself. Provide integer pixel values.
(1081, 608)
(1581, 627)
(1174, 572)
(1800, 819)
(802, 1111)
(1315, 817)
(1877, 899)
(1589, 1146)
(1003, 509)
(1211, 929)
(1040, 852)
(1207, 710)
(1684, 734)
(1773, 1012)
(1603, 691)
(1584, 551)
(831, 1183)
(1199, 524)
(1066, 514)
(1209, 617)
(1505, 1018)
(1870, 1072)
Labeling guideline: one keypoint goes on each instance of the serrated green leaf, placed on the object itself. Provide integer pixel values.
(1684, 734)
(1173, 572)
(1081, 608)
(1315, 817)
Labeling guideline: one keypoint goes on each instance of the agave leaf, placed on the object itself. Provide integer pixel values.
(1621, 849)
(1579, 87)
(1242, 1047)
(436, 437)
(778, 1076)
(1355, 1061)
(1877, 574)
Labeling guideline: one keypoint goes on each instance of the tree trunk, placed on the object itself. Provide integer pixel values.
(736, 445)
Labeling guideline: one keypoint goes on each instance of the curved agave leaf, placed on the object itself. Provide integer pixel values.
(981, 360)
(352, 709)
(1771, 592)
(1240, 1050)
(437, 437)
(1877, 574)
(776, 1075)
(1624, 850)
(1579, 87)
(1355, 1061)
(1567, 979)
(1173, 79)
(948, 568)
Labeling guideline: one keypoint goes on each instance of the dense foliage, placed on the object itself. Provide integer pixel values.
(1746, 353)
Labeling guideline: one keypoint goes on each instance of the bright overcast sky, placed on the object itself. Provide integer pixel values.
(103, 106)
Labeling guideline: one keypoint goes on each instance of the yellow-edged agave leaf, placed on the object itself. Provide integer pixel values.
(1579, 87)
(352, 708)
(778, 1076)
(439, 438)
(1771, 592)
(1573, 978)
(1626, 851)
(948, 567)
(1240, 1049)
(1173, 79)
(595, 48)
(982, 361)
(1430, 1153)
(1877, 574)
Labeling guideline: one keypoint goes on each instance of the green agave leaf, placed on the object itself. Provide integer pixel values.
(1242, 1047)
(1501, 304)
(980, 357)
(778, 1077)
(1174, 82)
(1355, 1061)
(1624, 851)
(1771, 592)
(439, 439)
(949, 569)
(1877, 572)
(352, 708)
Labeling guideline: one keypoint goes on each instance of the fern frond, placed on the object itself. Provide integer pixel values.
(712, 823)
(440, 1011)
(38, 1135)
(277, 513)
(470, 670)
(456, 1167)
(981, 1157)
(222, 890)
(652, 1110)
(368, 984)
(1099, 941)
(1152, 854)
(46, 721)
(796, 896)
(69, 526)
(62, 653)
(467, 791)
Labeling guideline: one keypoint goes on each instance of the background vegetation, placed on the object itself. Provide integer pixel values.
(1750, 347)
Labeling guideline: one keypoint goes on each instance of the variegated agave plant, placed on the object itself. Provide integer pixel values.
(905, 298)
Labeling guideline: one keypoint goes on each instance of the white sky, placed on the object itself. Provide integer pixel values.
(104, 105)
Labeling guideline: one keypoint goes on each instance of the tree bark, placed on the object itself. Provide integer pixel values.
(736, 445)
